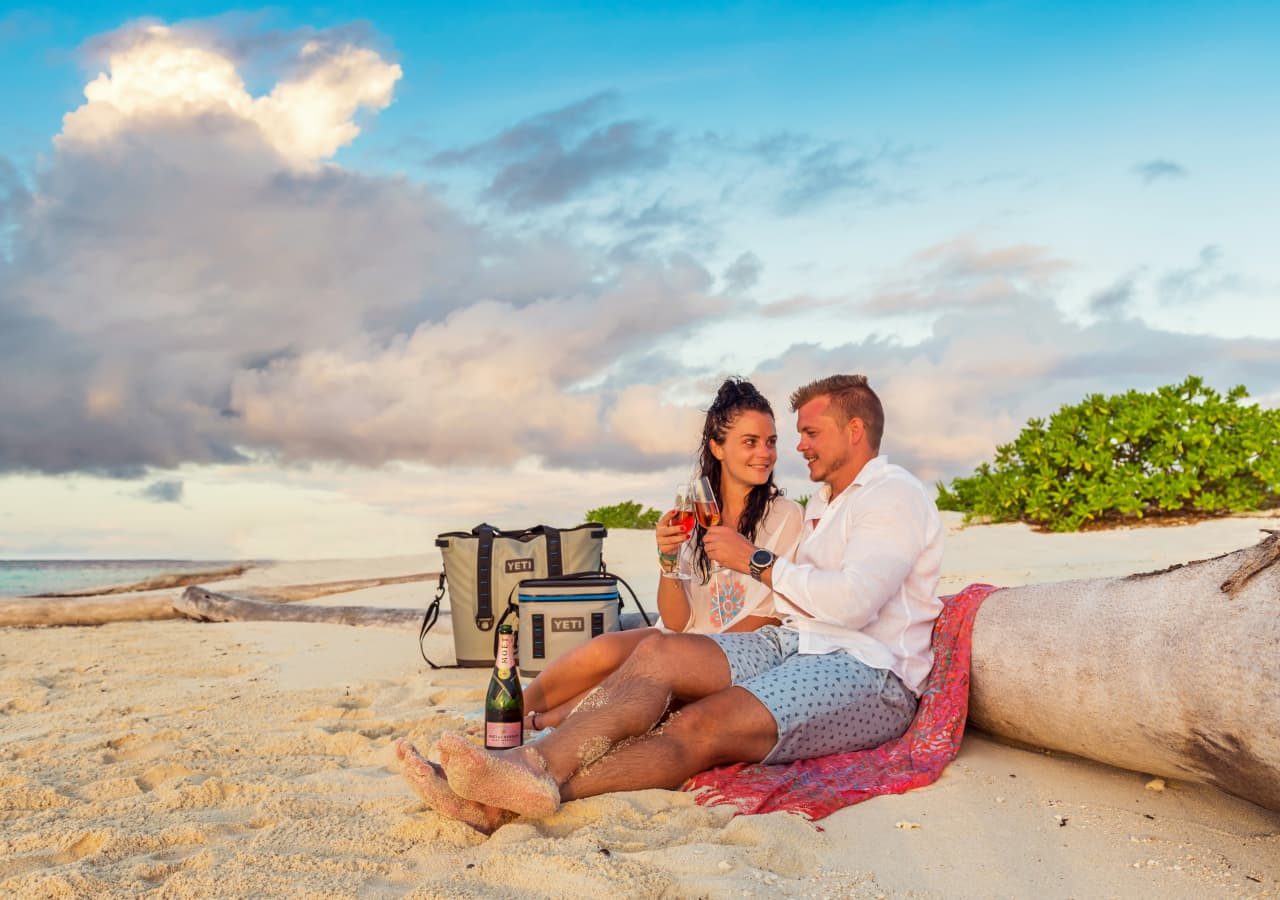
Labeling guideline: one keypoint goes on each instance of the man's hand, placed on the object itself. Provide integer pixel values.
(730, 549)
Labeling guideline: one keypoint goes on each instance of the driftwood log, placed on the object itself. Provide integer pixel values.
(80, 608)
(208, 606)
(158, 582)
(40, 611)
(141, 601)
(1173, 673)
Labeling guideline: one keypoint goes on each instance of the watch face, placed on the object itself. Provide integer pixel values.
(761, 558)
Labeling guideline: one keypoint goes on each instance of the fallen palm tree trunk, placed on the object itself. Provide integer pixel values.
(1173, 673)
(208, 606)
(101, 609)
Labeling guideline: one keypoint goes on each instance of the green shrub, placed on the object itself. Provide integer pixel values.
(627, 514)
(1182, 450)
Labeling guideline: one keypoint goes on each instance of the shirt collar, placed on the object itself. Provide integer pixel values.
(869, 470)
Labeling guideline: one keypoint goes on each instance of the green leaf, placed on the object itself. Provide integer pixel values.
(1181, 449)
(627, 514)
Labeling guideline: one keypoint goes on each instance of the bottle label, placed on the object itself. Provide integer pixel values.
(500, 735)
(506, 655)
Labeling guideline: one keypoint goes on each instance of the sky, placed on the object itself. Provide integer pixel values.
(323, 281)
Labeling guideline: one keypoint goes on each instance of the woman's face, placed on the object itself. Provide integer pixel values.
(750, 448)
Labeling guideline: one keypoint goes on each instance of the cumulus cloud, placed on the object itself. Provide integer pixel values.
(191, 279)
(979, 376)
(1159, 169)
(489, 384)
(555, 156)
(187, 283)
(158, 74)
(960, 274)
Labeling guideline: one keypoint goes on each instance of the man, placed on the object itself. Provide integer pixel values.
(841, 673)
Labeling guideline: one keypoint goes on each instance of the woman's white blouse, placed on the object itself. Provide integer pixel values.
(731, 596)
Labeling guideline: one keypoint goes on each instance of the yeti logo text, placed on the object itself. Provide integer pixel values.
(567, 625)
(518, 565)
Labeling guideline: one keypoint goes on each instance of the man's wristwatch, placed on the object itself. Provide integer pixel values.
(760, 561)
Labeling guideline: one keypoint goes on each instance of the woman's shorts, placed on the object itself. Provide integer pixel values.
(822, 704)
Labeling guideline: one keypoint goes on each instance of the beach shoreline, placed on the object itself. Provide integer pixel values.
(199, 759)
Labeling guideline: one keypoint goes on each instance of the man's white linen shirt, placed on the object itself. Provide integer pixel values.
(865, 576)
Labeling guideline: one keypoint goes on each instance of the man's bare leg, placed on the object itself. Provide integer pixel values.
(630, 702)
(578, 671)
(428, 782)
(727, 727)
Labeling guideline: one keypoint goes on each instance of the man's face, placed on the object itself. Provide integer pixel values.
(824, 443)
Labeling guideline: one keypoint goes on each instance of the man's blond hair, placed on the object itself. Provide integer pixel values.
(851, 398)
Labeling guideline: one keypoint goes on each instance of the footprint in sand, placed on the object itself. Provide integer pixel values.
(28, 698)
(30, 749)
(157, 775)
(90, 843)
(772, 850)
(31, 798)
(208, 792)
(161, 867)
(108, 789)
(369, 731)
(139, 747)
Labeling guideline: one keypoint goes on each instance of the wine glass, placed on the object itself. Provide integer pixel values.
(682, 518)
(706, 509)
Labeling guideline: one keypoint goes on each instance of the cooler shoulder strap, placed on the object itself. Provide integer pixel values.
(555, 555)
(429, 620)
(634, 599)
(484, 576)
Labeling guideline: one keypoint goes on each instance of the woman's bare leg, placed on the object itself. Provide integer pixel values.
(552, 718)
(559, 687)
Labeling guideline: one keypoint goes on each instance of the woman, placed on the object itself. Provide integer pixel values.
(738, 453)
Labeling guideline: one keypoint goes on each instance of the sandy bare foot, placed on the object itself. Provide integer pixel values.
(510, 781)
(428, 782)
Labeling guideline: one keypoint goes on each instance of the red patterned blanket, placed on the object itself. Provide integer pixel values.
(815, 788)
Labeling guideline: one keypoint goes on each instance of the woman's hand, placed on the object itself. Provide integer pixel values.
(669, 537)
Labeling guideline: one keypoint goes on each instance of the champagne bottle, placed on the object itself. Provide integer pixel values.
(504, 703)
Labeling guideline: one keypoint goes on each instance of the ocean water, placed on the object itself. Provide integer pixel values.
(24, 577)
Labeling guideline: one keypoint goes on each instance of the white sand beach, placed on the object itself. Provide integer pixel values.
(178, 759)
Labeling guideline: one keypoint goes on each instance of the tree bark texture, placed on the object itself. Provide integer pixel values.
(1173, 673)
(208, 606)
(98, 610)
(79, 608)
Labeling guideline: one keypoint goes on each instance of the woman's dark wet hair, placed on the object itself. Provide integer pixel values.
(735, 397)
